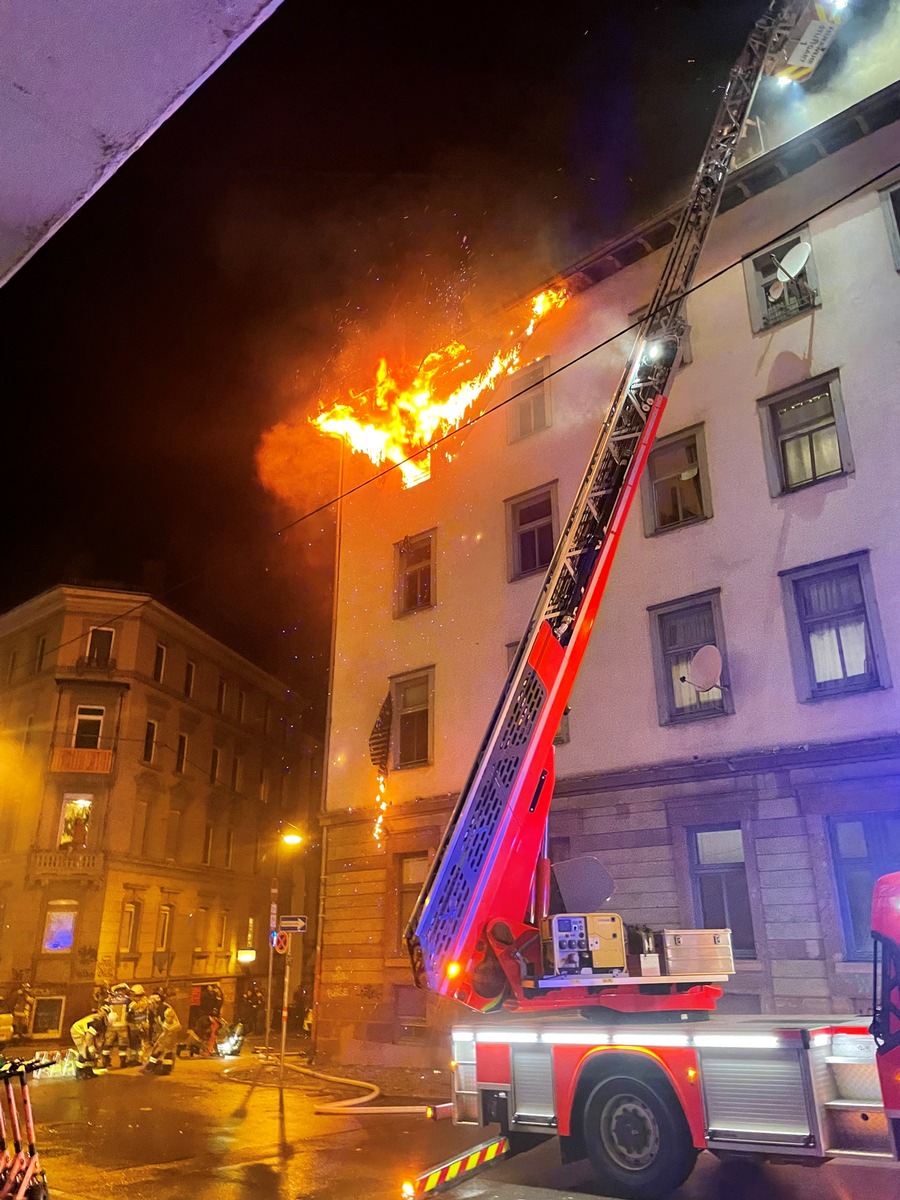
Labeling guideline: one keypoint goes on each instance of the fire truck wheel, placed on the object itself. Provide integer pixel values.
(637, 1138)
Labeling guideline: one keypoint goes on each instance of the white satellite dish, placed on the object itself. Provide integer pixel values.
(789, 268)
(705, 669)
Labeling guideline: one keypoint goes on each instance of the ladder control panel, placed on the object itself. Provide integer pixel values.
(583, 943)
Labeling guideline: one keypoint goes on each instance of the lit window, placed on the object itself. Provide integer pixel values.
(40, 650)
(75, 820)
(149, 741)
(412, 870)
(88, 727)
(531, 526)
(189, 670)
(99, 647)
(159, 663)
(720, 885)
(678, 630)
(411, 696)
(59, 926)
(769, 305)
(414, 560)
(128, 927)
(181, 753)
(805, 435)
(833, 628)
(675, 487)
(164, 923)
(529, 408)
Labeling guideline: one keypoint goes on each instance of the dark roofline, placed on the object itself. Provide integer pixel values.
(757, 176)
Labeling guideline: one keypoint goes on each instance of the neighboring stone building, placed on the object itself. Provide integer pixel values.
(769, 527)
(145, 769)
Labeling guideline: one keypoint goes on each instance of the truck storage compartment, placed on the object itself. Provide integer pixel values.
(758, 1096)
(854, 1117)
(696, 951)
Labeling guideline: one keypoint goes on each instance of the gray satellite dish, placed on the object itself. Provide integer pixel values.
(789, 268)
(705, 669)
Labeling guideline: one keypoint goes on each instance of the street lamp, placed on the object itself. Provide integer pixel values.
(289, 835)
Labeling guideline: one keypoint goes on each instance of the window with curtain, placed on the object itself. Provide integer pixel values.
(864, 847)
(678, 630)
(675, 488)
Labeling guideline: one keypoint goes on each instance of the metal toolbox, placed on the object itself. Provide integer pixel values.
(696, 951)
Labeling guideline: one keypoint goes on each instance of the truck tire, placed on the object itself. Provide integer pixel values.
(637, 1138)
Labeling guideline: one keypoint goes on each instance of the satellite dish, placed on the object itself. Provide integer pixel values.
(705, 669)
(789, 268)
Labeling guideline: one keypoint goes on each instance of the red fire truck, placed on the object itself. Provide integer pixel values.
(586, 1029)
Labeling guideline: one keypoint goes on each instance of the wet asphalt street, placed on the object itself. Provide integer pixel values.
(201, 1135)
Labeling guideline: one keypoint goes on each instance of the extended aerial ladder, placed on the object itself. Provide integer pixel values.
(474, 932)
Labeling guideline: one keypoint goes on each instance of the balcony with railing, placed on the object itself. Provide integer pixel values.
(66, 864)
(82, 760)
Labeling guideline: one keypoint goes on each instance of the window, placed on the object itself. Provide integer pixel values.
(411, 696)
(220, 696)
(529, 407)
(201, 924)
(241, 705)
(40, 650)
(149, 741)
(677, 631)
(675, 487)
(263, 785)
(531, 528)
(890, 201)
(864, 847)
(563, 735)
(181, 753)
(189, 670)
(28, 733)
(59, 926)
(720, 884)
(237, 772)
(164, 927)
(99, 647)
(11, 667)
(411, 1013)
(88, 727)
(206, 855)
(229, 848)
(214, 766)
(159, 663)
(805, 435)
(173, 832)
(411, 872)
(834, 632)
(222, 934)
(768, 305)
(75, 820)
(414, 570)
(128, 927)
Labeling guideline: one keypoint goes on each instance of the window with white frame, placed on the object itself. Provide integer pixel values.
(181, 753)
(164, 922)
(414, 570)
(59, 926)
(805, 435)
(890, 201)
(189, 672)
(412, 718)
(159, 663)
(529, 406)
(772, 300)
(834, 631)
(75, 820)
(531, 531)
(563, 735)
(88, 727)
(675, 488)
(678, 629)
(149, 750)
(100, 644)
(129, 927)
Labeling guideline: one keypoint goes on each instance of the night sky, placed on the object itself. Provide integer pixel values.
(344, 170)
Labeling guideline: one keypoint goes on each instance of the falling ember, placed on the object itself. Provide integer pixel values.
(380, 809)
(408, 407)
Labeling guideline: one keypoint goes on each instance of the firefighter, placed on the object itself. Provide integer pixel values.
(116, 1039)
(165, 1046)
(254, 1002)
(137, 1018)
(88, 1035)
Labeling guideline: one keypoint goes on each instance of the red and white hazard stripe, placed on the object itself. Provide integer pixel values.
(454, 1170)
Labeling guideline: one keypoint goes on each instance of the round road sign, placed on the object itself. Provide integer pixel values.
(280, 942)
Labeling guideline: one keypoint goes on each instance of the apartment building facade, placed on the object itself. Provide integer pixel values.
(147, 769)
(766, 527)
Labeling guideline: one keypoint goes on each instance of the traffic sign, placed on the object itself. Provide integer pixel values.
(281, 942)
(292, 924)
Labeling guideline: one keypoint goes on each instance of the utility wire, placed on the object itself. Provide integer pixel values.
(438, 441)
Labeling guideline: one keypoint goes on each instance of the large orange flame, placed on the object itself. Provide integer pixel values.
(407, 407)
